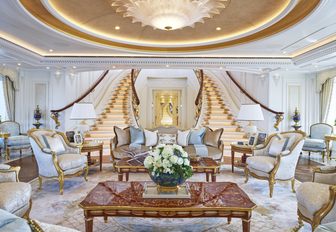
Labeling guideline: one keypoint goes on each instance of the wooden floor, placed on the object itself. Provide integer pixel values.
(29, 169)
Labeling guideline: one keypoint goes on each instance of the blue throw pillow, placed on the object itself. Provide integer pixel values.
(137, 135)
(196, 136)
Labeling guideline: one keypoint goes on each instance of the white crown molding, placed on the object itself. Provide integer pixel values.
(311, 56)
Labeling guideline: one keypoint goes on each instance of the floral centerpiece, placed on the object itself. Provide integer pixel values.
(169, 166)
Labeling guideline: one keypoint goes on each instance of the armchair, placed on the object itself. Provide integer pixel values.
(16, 140)
(56, 157)
(272, 167)
(316, 142)
(15, 196)
(316, 200)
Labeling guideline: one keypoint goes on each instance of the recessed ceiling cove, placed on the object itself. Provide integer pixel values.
(212, 24)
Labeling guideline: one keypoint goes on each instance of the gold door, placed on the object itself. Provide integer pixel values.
(166, 105)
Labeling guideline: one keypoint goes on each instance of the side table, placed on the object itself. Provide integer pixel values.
(89, 147)
(328, 139)
(245, 149)
(5, 137)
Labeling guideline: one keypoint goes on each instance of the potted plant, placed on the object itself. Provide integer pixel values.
(168, 166)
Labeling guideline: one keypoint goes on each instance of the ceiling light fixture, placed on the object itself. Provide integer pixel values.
(169, 15)
(47, 67)
(218, 28)
(19, 64)
(117, 28)
(50, 50)
(74, 67)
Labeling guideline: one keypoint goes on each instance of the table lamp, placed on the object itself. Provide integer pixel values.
(250, 113)
(83, 111)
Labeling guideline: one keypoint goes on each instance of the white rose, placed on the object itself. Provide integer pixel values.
(166, 163)
(186, 162)
(180, 161)
(148, 162)
(173, 159)
(167, 151)
(184, 154)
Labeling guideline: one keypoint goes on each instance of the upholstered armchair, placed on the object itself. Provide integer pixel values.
(315, 141)
(16, 141)
(316, 200)
(56, 157)
(276, 159)
(15, 196)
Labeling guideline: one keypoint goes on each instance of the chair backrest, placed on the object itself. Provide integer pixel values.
(10, 127)
(294, 137)
(165, 130)
(37, 135)
(319, 130)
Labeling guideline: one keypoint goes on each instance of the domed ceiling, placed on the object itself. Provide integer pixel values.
(219, 24)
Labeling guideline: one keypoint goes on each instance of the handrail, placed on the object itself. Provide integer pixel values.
(134, 75)
(200, 91)
(135, 101)
(55, 113)
(278, 114)
(199, 99)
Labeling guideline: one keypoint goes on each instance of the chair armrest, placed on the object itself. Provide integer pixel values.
(325, 175)
(259, 151)
(9, 174)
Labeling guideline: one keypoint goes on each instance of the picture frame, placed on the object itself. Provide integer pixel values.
(252, 141)
(78, 138)
(261, 138)
(70, 136)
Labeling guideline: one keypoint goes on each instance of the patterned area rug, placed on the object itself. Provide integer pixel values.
(276, 214)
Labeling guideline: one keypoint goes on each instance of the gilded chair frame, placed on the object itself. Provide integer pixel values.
(61, 176)
(321, 213)
(271, 177)
(8, 148)
(323, 152)
(16, 170)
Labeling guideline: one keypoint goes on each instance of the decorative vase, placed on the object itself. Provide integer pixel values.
(37, 117)
(168, 166)
(167, 180)
(296, 118)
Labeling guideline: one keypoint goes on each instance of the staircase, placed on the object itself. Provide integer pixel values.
(116, 113)
(217, 115)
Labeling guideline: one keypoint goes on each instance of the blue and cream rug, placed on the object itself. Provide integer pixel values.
(276, 214)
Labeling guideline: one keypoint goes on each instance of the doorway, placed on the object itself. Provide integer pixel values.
(166, 107)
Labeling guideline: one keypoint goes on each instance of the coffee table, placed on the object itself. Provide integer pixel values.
(124, 199)
(135, 165)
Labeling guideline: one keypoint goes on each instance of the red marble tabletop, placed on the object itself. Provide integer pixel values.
(128, 195)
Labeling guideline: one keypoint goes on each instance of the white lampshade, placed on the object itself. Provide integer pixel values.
(250, 112)
(83, 111)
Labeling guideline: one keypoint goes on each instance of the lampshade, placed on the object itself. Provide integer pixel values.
(250, 112)
(82, 111)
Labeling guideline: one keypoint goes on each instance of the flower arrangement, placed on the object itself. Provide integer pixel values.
(168, 160)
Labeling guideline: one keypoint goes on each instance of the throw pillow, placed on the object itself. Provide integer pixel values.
(54, 143)
(196, 136)
(123, 136)
(137, 135)
(212, 138)
(167, 138)
(183, 137)
(277, 146)
(151, 138)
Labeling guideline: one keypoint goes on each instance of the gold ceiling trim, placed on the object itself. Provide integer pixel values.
(300, 11)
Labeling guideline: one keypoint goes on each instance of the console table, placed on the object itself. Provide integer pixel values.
(135, 165)
(215, 199)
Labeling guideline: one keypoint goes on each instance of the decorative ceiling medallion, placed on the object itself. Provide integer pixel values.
(171, 14)
(241, 22)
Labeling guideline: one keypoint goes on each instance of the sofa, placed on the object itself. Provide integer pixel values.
(13, 223)
(131, 141)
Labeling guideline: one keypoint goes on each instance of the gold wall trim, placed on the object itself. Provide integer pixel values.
(299, 12)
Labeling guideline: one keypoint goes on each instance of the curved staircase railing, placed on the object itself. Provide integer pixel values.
(199, 99)
(135, 98)
(55, 113)
(279, 116)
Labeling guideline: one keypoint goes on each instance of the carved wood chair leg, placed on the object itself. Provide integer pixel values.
(271, 187)
(246, 171)
(40, 182)
(61, 183)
